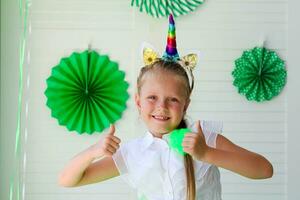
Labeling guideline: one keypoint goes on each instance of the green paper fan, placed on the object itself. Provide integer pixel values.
(259, 74)
(86, 92)
(162, 8)
(176, 138)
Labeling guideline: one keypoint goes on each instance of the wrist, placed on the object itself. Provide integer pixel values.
(93, 152)
(208, 154)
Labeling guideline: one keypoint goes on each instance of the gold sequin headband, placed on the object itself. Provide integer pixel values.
(189, 61)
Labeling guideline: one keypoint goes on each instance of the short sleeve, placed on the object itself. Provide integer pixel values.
(121, 161)
(210, 129)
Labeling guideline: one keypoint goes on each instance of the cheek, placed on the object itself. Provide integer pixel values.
(146, 105)
(177, 108)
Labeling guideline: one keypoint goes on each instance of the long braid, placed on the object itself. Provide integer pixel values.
(189, 171)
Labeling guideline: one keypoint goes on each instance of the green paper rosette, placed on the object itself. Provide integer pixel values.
(259, 74)
(162, 8)
(86, 92)
(176, 138)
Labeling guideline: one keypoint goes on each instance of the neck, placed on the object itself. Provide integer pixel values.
(158, 135)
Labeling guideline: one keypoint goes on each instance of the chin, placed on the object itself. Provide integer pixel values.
(160, 131)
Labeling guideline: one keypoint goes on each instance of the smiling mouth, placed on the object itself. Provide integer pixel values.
(160, 118)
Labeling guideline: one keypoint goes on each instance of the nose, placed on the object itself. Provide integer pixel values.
(162, 104)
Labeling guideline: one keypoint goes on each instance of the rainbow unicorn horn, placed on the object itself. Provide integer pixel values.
(171, 51)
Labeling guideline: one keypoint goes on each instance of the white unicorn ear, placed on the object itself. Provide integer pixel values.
(149, 55)
(191, 60)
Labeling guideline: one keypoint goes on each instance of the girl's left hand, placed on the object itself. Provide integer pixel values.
(194, 143)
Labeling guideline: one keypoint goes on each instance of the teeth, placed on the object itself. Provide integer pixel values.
(161, 117)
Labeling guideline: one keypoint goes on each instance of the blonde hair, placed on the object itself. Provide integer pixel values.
(173, 67)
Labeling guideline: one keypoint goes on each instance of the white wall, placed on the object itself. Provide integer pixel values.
(293, 107)
(221, 29)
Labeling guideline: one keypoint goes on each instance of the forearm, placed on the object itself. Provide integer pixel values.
(250, 165)
(74, 170)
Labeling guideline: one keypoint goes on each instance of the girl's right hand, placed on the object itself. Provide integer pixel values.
(107, 145)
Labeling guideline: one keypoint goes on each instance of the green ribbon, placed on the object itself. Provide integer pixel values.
(14, 191)
(176, 138)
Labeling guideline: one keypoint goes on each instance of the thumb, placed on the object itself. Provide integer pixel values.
(199, 128)
(111, 130)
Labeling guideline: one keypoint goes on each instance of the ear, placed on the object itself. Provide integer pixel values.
(189, 61)
(187, 105)
(137, 101)
(149, 54)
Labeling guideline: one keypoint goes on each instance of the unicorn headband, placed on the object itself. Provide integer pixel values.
(188, 62)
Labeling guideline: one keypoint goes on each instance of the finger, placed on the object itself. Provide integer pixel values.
(189, 144)
(114, 144)
(108, 153)
(111, 149)
(187, 150)
(114, 138)
(190, 135)
(186, 144)
(189, 139)
(111, 129)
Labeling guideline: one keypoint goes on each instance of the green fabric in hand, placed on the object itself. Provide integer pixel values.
(176, 138)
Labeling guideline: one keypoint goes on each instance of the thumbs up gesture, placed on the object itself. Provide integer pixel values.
(194, 143)
(107, 145)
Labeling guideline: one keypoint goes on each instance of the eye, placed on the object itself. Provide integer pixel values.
(173, 99)
(152, 97)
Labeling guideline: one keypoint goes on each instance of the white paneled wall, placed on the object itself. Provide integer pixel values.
(220, 29)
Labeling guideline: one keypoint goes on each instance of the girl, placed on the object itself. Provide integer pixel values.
(147, 163)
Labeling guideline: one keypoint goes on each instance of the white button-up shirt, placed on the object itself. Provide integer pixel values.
(158, 172)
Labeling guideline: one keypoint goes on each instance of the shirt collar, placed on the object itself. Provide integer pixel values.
(149, 139)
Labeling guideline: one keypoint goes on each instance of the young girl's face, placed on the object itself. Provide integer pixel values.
(162, 101)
